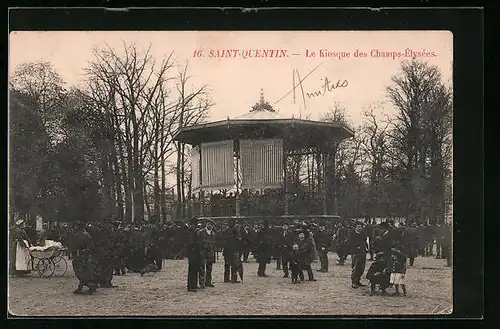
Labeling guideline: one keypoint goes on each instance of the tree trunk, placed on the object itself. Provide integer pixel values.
(329, 181)
(163, 200)
(318, 172)
(138, 194)
(179, 180)
(137, 173)
(107, 183)
(183, 181)
(130, 182)
(112, 170)
(161, 158)
(125, 165)
(156, 183)
(118, 186)
(309, 187)
(148, 206)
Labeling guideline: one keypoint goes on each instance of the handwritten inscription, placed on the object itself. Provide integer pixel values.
(328, 85)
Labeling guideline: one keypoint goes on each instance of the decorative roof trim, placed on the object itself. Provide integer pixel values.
(262, 121)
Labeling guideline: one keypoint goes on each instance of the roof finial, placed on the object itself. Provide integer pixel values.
(262, 105)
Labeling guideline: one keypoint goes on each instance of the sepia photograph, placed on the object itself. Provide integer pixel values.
(230, 173)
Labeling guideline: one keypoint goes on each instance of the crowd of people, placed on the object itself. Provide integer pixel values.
(100, 251)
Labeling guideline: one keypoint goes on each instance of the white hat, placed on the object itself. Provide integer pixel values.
(19, 222)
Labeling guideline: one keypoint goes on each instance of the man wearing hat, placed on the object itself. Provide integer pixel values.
(286, 249)
(119, 244)
(155, 253)
(358, 249)
(81, 247)
(200, 229)
(378, 274)
(246, 236)
(306, 250)
(209, 251)
(106, 256)
(194, 248)
(231, 253)
(263, 250)
(340, 240)
(322, 242)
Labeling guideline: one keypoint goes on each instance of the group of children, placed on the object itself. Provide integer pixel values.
(387, 271)
(384, 272)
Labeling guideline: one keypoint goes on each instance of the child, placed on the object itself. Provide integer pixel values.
(398, 271)
(378, 274)
(295, 265)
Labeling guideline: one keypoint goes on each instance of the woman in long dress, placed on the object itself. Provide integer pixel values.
(20, 250)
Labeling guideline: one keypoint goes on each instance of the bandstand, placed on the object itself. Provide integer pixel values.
(248, 167)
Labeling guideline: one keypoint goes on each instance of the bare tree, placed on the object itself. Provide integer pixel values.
(193, 107)
(414, 92)
(439, 140)
(130, 88)
(374, 148)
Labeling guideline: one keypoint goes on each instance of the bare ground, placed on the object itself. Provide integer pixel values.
(429, 286)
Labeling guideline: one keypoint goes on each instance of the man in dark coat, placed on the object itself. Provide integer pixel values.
(276, 245)
(286, 240)
(341, 242)
(194, 254)
(81, 248)
(246, 237)
(263, 249)
(306, 251)
(102, 236)
(358, 249)
(231, 253)
(322, 244)
(136, 257)
(119, 244)
(208, 249)
(169, 241)
(155, 254)
(411, 242)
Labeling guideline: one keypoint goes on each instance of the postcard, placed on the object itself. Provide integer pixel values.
(241, 173)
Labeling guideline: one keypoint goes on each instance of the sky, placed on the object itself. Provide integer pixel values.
(235, 83)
